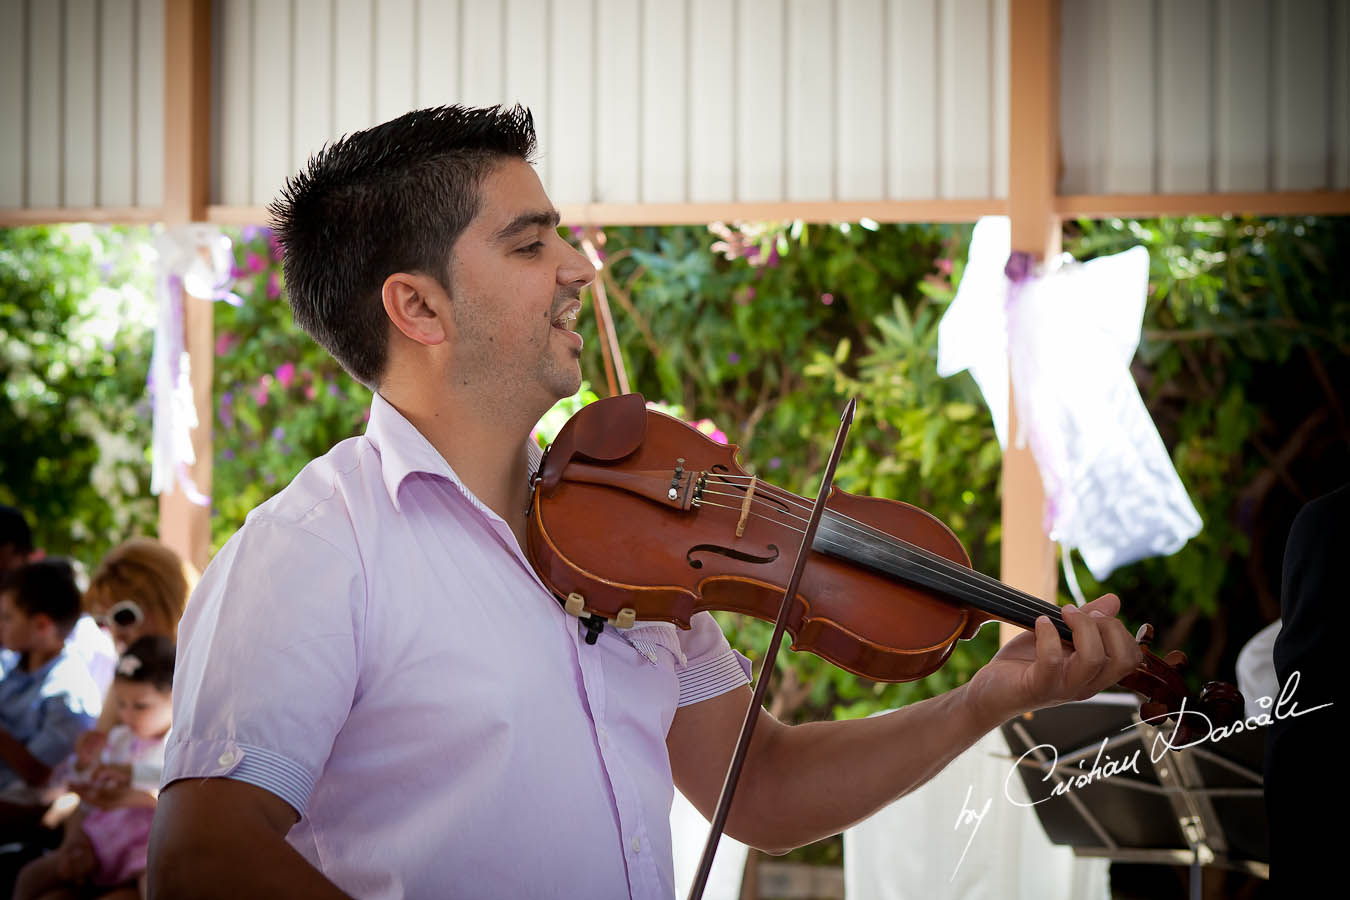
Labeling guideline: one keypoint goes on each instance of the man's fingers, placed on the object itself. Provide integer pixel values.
(1088, 655)
(1049, 656)
(1107, 604)
(1121, 648)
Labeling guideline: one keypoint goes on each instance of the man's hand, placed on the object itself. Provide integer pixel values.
(108, 786)
(88, 746)
(1036, 670)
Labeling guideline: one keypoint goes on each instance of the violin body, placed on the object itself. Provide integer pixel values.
(620, 548)
(637, 516)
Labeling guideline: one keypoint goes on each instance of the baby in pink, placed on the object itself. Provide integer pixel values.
(106, 839)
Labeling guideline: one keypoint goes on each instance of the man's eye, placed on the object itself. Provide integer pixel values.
(533, 248)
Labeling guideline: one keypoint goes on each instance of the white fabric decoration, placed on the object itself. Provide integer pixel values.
(128, 665)
(914, 849)
(1068, 337)
(197, 257)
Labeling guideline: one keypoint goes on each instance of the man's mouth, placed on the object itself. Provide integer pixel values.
(566, 319)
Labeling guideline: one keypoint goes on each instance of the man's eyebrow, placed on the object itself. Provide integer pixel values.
(520, 223)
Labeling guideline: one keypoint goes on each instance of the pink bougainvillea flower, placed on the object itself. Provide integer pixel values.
(310, 392)
(707, 427)
(273, 286)
(255, 262)
(286, 375)
(225, 342)
(260, 392)
(944, 266)
(827, 299)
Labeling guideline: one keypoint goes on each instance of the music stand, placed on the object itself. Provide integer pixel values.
(1198, 806)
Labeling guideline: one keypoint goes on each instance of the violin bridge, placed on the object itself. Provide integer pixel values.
(745, 506)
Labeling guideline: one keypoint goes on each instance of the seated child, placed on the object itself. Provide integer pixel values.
(106, 839)
(48, 698)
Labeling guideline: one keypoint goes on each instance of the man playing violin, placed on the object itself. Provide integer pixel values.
(376, 695)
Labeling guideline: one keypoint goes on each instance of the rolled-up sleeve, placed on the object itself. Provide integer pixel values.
(711, 666)
(268, 661)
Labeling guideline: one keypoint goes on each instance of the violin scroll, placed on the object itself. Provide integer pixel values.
(1160, 681)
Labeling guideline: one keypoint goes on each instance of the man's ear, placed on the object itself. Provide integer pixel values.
(44, 622)
(418, 307)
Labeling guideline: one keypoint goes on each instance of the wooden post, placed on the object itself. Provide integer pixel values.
(1028, 557)
(183, 525)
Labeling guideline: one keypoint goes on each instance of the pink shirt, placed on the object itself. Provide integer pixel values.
(374, 648)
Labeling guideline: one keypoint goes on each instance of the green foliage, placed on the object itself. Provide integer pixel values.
(1243, 364)
(280, 399)
(76, 326)
(761, 331)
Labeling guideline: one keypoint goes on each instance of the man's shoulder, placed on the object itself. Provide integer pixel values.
(69, 676)
(322, 498)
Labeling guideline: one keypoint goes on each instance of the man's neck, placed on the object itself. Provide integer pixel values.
(38, 657)
(488, 455)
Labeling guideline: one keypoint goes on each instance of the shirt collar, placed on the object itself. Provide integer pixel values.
(405, 451)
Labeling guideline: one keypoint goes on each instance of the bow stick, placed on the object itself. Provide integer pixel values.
(752, 714)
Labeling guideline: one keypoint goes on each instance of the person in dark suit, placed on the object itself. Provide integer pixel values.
(1305, 794)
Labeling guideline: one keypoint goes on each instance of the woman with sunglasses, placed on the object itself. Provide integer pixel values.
(140, 589)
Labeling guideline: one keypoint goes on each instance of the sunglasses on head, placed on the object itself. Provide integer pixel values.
(123, 613)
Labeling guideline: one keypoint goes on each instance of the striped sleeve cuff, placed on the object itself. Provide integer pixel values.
(249, 763)
(716, 676)
(271, 771)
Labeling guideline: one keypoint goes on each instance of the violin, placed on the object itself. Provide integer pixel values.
(635, 515)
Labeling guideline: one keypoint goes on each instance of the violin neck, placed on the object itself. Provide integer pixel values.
(874, 550)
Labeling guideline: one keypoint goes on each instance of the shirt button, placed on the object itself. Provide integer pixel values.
(226, 758)
(637, 844)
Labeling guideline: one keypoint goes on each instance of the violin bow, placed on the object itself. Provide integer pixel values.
(752, 714)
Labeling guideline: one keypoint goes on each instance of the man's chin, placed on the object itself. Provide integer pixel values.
(566, 384)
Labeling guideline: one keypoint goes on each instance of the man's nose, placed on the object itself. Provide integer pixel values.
(577, 271)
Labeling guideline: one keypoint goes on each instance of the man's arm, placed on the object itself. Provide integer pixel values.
(218, 837)
(804, 783)
(23, 763)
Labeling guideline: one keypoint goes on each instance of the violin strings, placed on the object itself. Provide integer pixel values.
(896, 551)
(977, 583)
(1150, 664)
(939, 564)
(913, 555)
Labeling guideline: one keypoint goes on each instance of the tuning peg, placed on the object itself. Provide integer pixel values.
(1144, 636)
(1176, 659)
(1222, 702)
(1153, 712)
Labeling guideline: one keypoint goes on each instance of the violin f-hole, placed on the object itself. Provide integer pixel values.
(729, 552)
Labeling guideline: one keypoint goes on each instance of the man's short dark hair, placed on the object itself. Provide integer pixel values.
(48, 587)
(14, 530)
(393, 198)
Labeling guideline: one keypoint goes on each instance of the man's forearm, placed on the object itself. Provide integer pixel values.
(23, 763)
(823, 777)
